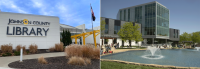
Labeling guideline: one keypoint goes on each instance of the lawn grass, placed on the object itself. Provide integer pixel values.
(115, 65)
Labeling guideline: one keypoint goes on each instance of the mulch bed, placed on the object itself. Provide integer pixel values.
(53, 63)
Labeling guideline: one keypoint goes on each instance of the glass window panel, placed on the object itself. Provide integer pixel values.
(124, 14)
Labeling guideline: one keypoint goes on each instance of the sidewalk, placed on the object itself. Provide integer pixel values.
(4, 61)
(120, 50)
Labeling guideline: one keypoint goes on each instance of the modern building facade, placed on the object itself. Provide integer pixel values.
(154, 19)
(112, 27)
(78, 30)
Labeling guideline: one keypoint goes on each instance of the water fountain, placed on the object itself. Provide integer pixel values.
(152, 53)
(197, 48)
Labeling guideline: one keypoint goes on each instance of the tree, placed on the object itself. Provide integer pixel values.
(69, 35)
(130, 32)
(195, 37)
(66, 37)
(185, 37)
(103, 23)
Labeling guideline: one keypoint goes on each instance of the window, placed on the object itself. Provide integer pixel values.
(117, 26)
(138, 14)
(106, 29)
(150, 19)
(125, 15)
(128, 15)
(163, 21)
(120, 14)
(106, 26)
(177, 34)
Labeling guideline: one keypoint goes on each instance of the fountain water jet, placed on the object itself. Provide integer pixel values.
(197, 48)
(152, 53)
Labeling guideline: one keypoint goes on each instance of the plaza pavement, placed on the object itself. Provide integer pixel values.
(119, 50)
(4, 61)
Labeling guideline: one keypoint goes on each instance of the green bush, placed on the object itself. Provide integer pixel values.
(17, 53)
(6, 54)
(27, 52)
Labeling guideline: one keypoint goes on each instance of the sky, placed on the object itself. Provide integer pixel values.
(70, 12)
(184, 14)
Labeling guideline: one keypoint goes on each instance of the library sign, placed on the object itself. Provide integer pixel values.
(28, 29)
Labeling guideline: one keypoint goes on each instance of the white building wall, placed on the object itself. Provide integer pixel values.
(81, 27)
(110, 41)
(43, 42)
(90, 38)
(120, 42)
(100, 42)
(133, 43)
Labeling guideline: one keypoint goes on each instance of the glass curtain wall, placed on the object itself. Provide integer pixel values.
(106, 26)
(116, 28)
(162, 21)
(128, 15)
(138, 14)
(150, 18)
(120, 14)
(125, 15)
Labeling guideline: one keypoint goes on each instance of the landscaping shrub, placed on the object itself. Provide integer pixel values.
(7, 48)
(33, 48)
(18, 48)
(17, 53)
(27, 52)
(76, 61)
(52, 49)
(85, 51)
(42, 60)
(87, 61)
(96, 53)
(73, 50)
(59, 47)
(7, 54)
(4, 55)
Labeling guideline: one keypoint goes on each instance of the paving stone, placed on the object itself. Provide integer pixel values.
(168, 66)
(177, 67)
(194, 68)
(159, 66)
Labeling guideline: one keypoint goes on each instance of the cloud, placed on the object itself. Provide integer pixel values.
(70, 12)
(12, 5)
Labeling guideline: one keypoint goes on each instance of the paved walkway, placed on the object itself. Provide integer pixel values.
(120, 50)
(4, 61)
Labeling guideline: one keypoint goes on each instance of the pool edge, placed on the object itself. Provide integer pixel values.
(150, 65)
